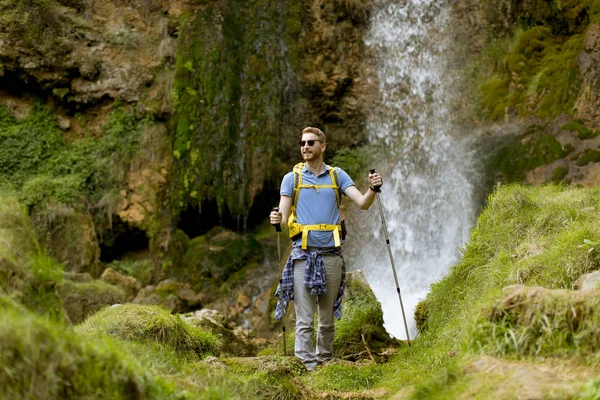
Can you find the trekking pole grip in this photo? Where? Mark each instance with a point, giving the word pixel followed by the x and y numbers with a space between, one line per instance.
pixel 376 189
pixel 277 226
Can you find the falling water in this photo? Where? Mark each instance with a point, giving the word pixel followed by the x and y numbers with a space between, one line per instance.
pixel 429 192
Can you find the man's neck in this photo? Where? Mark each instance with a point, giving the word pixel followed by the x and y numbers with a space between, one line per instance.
pixel 316 167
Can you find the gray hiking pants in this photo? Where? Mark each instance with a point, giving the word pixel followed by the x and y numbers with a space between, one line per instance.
pixel 305 310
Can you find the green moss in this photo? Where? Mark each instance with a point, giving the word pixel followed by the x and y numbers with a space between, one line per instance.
pixel 26 273
pixel 528 152
pixel 207 264
pixel 559 174
pixel 139 269
pixel 84 299
pixel 538 74
pixel 583 133
pixel 150 323
pixel 36 23
pixel 362 322
pixel 73 367
pixel 588 156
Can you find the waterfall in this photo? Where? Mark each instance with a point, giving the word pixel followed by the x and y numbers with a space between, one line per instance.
pixel 430 181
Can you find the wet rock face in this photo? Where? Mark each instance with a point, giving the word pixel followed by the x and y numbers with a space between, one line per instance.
pixel 90 53
pixel 588 102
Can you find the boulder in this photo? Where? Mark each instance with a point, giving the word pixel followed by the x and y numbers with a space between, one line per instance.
pixel 128 283
pixel 234 342
pixel 588 282
pixel 170 294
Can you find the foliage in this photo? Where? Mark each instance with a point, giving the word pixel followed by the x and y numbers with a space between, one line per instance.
pixel 150 323
pixel 56 180
pixel 539 75
pixel 540 322
pixel 353 161
pixel 36 23
pixel 208 264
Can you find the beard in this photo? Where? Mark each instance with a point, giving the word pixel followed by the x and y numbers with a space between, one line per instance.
pixel 311 155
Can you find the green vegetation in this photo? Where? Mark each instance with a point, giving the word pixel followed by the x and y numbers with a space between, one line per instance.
pixel 73 367
pixel 26 273
pixel 139 269
pixel 529 62
pixel 36 23
pixel 527 152
pixel 545 237
pixel 362 322
pixel 209 261
pixel 67 187
pixel 583 133
pixel 533 321
pixel 82 299
pixel 588 156
pixel 150 323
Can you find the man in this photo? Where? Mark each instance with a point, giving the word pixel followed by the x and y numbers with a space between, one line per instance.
pixel 314 274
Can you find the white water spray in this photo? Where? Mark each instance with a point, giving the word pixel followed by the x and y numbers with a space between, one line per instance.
pixel 429 189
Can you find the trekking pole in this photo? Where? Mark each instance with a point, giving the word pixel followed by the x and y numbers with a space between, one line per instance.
pixel 387 240
pixel 278 230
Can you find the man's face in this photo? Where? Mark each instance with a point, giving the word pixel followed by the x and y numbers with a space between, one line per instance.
pixel 311 153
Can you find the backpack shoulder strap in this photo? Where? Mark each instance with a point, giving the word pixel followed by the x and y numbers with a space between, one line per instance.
pixel 335 180
pixel 297 181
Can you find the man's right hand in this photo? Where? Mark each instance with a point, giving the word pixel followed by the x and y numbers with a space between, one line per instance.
pixel 275 217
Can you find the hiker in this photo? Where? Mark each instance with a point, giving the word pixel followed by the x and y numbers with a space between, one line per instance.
pixel 314 275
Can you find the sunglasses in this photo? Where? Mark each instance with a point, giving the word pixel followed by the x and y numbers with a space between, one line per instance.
pixel 310 143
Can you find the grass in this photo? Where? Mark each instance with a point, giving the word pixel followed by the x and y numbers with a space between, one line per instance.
pixel 542 239
pixel 150 323
pixel 545 237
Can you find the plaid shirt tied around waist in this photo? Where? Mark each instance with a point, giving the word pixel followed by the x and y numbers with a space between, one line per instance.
pixel 314 278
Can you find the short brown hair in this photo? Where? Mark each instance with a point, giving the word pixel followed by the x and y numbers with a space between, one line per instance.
pixel 316 131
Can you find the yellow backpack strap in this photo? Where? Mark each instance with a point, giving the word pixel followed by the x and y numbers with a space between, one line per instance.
pixel 335 181
pixel 297 182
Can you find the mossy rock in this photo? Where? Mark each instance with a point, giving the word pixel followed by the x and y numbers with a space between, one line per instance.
pixel 150 323
pixel 527 152
pixel 83 299
pixel 588 156
pixel 212 321
pixel 362 320
pixel 171 295
pixel 45 360
pixel 206 265
pixel 583 133
pixel 26 273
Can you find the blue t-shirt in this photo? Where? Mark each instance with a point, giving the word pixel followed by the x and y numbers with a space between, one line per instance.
pixel 317 206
